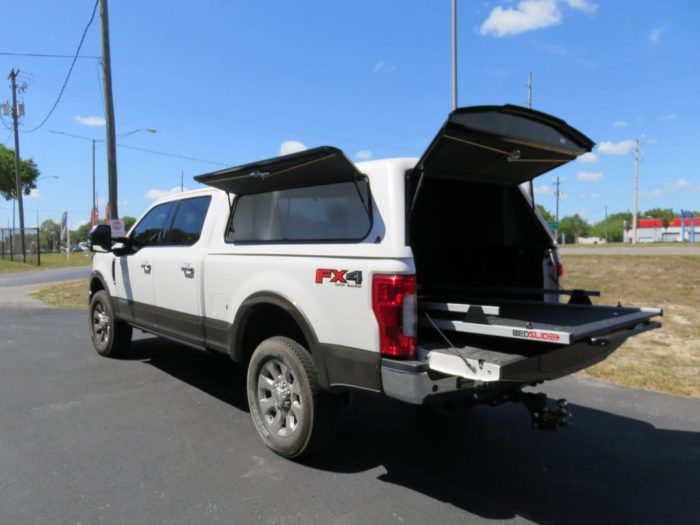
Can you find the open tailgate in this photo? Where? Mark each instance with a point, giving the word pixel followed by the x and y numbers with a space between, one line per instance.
pixel 528 341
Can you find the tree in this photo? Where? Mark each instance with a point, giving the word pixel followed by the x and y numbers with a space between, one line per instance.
pixel 49 232
pixel 547 216
pixel 128 222
pixel 613 227
pixel 573 227
pixel 658 213
pixel 28 173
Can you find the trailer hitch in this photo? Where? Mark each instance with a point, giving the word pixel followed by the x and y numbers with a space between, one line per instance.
pixel 543 414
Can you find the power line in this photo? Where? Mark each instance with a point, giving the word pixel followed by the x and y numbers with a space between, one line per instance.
pixel 70 70
pixel 46 55
pixel 154 152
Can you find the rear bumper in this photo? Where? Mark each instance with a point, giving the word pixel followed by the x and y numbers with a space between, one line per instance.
pixel 414 382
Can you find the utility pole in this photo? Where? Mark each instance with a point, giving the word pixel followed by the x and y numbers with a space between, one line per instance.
pixel 109 112
pixel 529 105
pixel 182 180
pixel 606 223
pixel 636 191
pixel 94 196
pixel 18 181
pixel 454 54
pixel 557 194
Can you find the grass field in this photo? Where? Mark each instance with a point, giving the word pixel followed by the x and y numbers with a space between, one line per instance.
pixel 68 294
pixel 665 360
pixel 48 260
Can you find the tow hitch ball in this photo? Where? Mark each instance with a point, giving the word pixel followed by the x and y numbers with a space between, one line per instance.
pixel 545 415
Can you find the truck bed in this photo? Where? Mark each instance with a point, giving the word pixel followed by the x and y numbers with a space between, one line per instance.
pixel 553 323
pixel 524 340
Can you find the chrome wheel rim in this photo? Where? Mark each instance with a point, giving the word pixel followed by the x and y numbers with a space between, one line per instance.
pixel 279 398
pixel 100 324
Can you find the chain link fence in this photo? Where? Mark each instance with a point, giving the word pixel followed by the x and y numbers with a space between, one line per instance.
pixel 11 245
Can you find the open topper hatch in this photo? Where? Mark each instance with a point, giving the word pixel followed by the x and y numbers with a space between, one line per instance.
pixel 312 167
pixel 505 145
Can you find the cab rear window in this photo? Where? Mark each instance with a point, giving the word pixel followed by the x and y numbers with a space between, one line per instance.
pixel 331 212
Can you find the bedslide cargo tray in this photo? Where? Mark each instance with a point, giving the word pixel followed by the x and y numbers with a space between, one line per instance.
pixel 525 340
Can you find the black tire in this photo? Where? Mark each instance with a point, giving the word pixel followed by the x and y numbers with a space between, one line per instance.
pixel 288 407
pixel 110 338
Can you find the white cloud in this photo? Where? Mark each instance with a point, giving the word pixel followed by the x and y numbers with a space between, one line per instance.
pixel 78 224
pixel 543 190
pixel 34 193
pixel 595 195
pixel 583 5
pixel 383 66
pixel 620 124
pixel 89 121
pixel 528 16
pixel 617 148
pixel 680 184
pixel 653 193
pixel 291 146
pixel 589 176
pixel 668 116
pixel 588 158
pixel 122 203
pixel 655 35
pixel 364 154
pixel 155 193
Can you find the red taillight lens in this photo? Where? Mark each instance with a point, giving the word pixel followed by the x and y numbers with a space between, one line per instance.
pixel 394 305
pixel 560 269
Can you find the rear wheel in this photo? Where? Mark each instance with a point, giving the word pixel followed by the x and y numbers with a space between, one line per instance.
pixel 286 403
pixel 110 337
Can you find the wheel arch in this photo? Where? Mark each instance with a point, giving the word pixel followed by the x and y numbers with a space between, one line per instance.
pixel 97 283
pixel 267 314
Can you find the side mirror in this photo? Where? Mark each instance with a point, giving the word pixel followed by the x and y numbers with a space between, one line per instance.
pixel 100 235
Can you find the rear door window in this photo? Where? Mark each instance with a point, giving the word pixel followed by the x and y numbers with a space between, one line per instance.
pixel 187 224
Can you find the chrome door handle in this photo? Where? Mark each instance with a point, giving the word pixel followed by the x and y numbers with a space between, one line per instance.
pixel 187 268
pixel 146 267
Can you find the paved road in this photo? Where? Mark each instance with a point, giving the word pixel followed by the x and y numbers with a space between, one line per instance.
pixel 164 436
pixel 43 276
pixel 630 250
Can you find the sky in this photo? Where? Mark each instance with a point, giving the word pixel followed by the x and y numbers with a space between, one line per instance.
pixel 227 82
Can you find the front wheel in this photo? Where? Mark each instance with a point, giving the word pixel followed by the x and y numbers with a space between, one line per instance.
pixel 285 400
pixel 109 336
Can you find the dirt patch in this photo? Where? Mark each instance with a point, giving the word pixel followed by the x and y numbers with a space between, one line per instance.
pixel 665 360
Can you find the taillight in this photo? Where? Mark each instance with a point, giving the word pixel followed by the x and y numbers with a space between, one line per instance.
pixel 560 269
pixel 394 305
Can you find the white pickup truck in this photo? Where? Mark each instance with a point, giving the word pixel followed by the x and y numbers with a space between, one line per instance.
pixel 430 280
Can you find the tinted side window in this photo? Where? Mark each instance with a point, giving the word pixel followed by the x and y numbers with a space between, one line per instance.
pixel 332 212
pixel 188 222
pixel 149 231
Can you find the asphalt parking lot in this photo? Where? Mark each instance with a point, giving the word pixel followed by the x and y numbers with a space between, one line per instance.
pixel 164 436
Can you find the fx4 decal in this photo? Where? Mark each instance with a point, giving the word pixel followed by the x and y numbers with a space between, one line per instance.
pixel 339 277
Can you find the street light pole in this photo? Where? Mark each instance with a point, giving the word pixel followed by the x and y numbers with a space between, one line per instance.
pixel 454 54
pixel 636 191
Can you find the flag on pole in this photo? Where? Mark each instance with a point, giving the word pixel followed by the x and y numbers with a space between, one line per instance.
pixel 64 227
pixel 94 217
